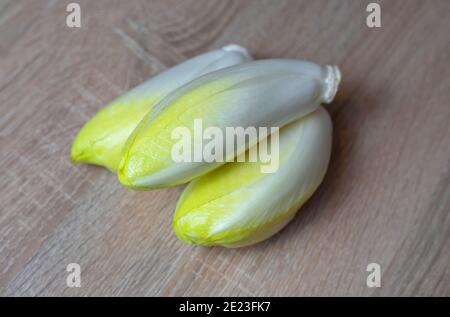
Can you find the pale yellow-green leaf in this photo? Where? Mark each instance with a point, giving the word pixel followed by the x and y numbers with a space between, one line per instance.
pixel 238 205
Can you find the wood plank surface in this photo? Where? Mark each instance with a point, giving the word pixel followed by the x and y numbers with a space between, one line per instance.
pixel 385 199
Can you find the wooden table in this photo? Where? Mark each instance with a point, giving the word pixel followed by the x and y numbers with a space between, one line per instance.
pixel 385 199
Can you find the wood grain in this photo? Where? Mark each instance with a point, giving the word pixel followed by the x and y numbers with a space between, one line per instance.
pixel 385 199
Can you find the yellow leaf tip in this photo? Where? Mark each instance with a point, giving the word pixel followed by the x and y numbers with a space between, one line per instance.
pixel 191 232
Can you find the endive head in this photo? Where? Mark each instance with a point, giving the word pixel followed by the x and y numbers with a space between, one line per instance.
pixel 237 205
pixel 266 93
pixel 102 138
